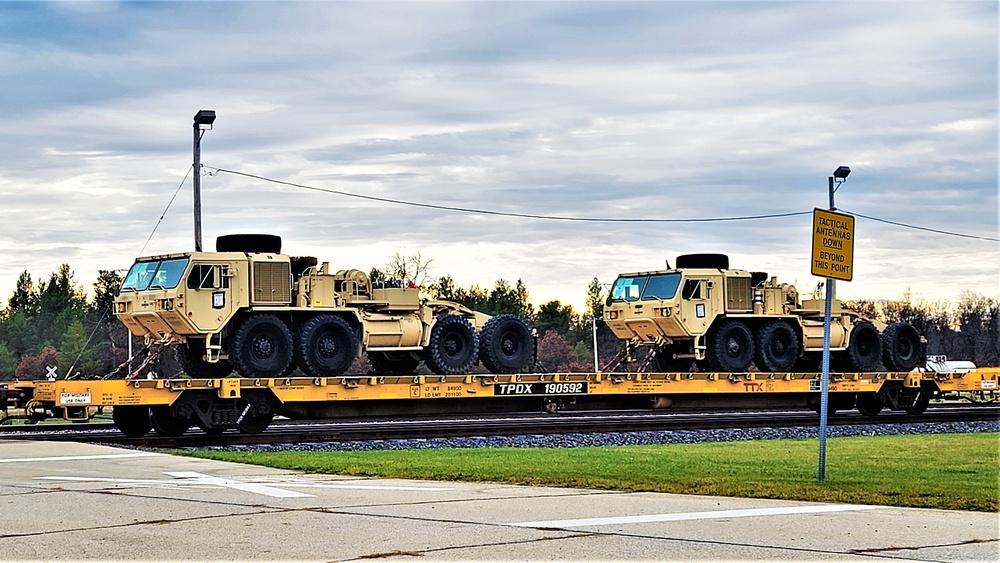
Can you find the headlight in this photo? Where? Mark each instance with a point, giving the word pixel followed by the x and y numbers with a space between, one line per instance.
pixel 167 304
pixel 121 307
pixel 612 315
pixel 665 312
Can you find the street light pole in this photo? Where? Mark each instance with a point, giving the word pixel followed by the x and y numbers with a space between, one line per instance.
pixel 839 177
pixel 203 121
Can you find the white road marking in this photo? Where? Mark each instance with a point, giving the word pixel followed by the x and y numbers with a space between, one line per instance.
pixel 710 515
pixel 271 489
pixel 260 489
pixel 77 457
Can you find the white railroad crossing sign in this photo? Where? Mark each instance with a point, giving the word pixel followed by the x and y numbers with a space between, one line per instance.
pixel 833 245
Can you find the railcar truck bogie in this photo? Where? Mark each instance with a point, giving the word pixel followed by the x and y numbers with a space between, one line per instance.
pixel 249 309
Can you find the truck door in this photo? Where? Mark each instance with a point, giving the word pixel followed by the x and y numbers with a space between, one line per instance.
pixel 696 308
pixel 209 300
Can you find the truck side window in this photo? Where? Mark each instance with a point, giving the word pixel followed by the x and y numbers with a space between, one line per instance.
pixel 692 289
pixel 208 276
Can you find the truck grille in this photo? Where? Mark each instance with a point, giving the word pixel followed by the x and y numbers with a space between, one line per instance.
pixel 272 282
pixel 738 294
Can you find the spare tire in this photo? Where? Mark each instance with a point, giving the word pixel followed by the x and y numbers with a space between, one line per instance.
pixel 506 345
pixel 713 261
pixel 266 244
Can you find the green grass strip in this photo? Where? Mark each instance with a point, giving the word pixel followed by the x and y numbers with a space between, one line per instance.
pixel 947 471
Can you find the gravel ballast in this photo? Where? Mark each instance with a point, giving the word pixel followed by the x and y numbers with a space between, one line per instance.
pixel 602 439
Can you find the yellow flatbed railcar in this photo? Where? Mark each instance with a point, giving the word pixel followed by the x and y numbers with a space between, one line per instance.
pixel 172 406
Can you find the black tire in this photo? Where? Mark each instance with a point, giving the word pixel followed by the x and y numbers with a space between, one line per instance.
pixel 165 423
pixel 395 363
pixel 776 347
pixel 665 361
pixel 132 421
pixel 506 345
pixel 864 350
pixel 453 347
pixel 254 412
pixel 261 347
pixel 869 404
pixel 325 346
pixel 730 347
pixel 191 357
pixel 901 349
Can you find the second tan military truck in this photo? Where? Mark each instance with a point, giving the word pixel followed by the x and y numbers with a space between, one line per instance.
pixel 249 308
pixel 729 320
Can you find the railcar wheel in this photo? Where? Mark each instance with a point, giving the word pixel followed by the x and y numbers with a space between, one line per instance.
pixel 731 347
pixel 191 357
pixel 776 347
pixel 325 346
pixel 254 412
pixel 920 403
pixel 900 347
pixel 453 347
pixel 397 363
pixel 865 348
pixel 261 347
pixel 506 345
pixel 132 421
pixel 165 423
pixel 869 404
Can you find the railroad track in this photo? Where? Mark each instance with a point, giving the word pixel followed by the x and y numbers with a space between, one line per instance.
pixel 342 430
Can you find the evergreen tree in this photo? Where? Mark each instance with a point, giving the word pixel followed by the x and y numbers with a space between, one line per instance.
pixel 8 363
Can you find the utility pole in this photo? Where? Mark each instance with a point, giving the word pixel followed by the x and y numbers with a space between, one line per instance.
pixel 203 121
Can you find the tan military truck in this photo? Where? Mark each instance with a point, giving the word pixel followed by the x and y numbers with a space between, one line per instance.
pixel 250 309
pixel 726 319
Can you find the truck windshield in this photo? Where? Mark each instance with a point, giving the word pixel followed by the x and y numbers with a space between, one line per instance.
pixel 162 274
pixel 661 286
pixel 628 288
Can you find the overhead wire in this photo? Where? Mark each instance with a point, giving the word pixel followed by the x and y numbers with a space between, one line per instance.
pixel 167 208
pixel 577 219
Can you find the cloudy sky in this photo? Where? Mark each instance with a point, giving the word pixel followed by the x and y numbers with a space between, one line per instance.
pixel 650 110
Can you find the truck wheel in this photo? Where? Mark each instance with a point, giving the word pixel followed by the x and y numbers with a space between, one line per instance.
pixel 397 363
pixel 664 360
pixel 325 346
pixel 864 349
pixel 900 347
pixel 191 357
pixel 506 345
pixel 165 423
pixel 776 347
pixel 133 421
pixel 731 347
pixel 261 347
pixel 453 346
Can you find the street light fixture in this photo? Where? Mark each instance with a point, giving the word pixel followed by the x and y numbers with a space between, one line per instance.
pixel 203 121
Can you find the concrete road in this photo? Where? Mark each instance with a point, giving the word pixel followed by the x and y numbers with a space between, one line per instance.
pixel 62 501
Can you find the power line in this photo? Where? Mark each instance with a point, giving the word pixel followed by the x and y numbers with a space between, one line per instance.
pixel 510 214
pixel 928 229
pixel 164 214
pixel 581 219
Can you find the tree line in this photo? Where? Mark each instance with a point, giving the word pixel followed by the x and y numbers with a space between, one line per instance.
pixel 52 323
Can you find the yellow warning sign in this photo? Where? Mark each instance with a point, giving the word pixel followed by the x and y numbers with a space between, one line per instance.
pixel 833 245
